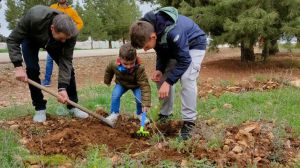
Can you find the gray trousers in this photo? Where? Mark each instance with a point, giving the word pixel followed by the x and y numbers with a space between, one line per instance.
pixel 189 89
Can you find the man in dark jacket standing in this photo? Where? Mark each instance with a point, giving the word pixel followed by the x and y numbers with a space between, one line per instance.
pixel 43 27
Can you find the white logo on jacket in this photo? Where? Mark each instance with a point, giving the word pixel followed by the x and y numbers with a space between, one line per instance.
pixel 176 38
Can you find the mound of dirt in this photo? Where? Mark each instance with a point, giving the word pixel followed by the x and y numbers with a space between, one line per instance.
pixel 252 143
pixel 72 137
pixel 207 88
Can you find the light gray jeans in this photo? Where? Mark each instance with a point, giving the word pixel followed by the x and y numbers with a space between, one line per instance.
pixel 189 89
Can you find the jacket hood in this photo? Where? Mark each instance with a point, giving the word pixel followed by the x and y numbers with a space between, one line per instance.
pixel 161 19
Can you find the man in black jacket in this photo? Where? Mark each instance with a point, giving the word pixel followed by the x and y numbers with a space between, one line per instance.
pixel 43 27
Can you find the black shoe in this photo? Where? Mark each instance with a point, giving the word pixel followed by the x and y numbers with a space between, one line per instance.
pixel 164 118
pixel 185 132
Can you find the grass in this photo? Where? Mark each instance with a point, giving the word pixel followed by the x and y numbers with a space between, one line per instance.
pixel 288 64
pixel 15 111
pixel 53 160
pixel 11 153
pixel 95 158
pixel 3 50
pixel 281 106
pixel 289 48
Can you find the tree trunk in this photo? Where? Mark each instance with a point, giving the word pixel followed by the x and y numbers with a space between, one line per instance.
pixel 92 45
pixel 247 54
pixel 124 40
pixel 266 50
pixel 298 41
pixel 273 49
pixel 109 44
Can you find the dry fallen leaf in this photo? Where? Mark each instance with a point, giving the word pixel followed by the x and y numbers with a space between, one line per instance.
pixel 237 149
pixel 226 148
pixel 227 106
pixel 184 163
pixel 115 159
pixel 15 126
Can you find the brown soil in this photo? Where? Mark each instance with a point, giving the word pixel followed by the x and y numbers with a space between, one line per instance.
pixel 251 142
pixel 72 137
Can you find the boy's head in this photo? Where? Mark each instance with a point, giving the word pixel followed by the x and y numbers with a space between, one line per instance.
pixel 127 55
pixel 142 35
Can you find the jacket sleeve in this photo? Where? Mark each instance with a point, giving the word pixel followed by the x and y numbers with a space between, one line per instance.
pixel 179 42
pixel 142 81
pixel 77 19
pixel 15 39
pixel 66 63
pixel 109 74
pixel 161 61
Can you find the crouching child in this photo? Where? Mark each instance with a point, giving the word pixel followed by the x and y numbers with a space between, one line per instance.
pixel 129 75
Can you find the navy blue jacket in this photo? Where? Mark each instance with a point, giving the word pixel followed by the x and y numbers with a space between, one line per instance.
pixel 186 35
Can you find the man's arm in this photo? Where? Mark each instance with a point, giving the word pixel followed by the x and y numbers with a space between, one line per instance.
pixel 66 63
pixel 161 60
pixel 15 39
pixel 178 41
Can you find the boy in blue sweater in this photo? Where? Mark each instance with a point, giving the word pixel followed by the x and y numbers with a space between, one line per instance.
pixel 180 47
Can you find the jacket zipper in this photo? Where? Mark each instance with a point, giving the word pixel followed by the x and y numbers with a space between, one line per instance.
pixel 47 43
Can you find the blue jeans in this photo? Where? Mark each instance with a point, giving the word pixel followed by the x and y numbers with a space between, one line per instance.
pixel 117 93
pixel 49 68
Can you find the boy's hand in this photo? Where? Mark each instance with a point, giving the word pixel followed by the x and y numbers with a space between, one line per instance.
pixel 164 90
pixel 62 96
pixel 20 74
pixel 145 109
pixel 156 76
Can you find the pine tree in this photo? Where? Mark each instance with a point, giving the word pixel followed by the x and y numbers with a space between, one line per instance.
pixel 109 20
pixel 93 24
pixel 243 23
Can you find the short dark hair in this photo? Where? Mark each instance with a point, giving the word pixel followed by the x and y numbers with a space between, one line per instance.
pixel 127 52
pixel 63 23
pixel 140 33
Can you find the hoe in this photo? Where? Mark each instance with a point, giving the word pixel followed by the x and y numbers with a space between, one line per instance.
pixel 101 118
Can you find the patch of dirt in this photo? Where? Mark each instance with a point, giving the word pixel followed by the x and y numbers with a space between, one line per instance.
pixel 72 137
pixel 207 88
pixel 249 143
pixel 252 143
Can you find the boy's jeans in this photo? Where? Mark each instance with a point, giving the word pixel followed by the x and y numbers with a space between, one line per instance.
pixel 49 68
pixel 117 93
pixel 189 90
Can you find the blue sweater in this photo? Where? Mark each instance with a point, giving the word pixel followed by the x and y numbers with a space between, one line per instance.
pixel 186 35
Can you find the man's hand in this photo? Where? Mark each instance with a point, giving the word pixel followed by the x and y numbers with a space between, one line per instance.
pixel 164 90
pixel 156 76
pixel 62 96
pixel 145 109
pixel 20 74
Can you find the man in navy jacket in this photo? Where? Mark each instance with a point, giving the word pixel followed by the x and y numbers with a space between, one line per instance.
pixel 180 47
